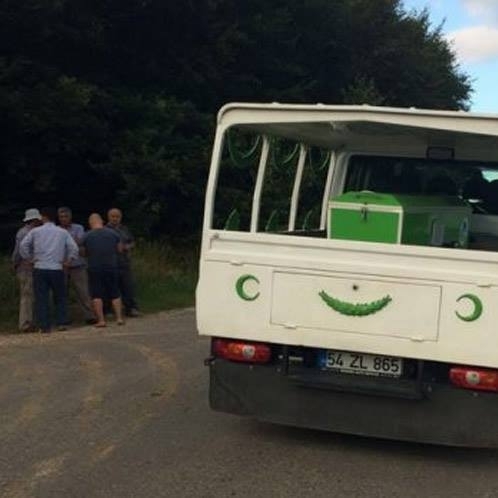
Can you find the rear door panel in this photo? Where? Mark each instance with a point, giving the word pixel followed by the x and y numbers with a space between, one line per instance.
pixel 443 303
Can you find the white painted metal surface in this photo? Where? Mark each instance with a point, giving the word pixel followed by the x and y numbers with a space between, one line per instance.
pixel 326 191
pixel 256 201
pixel 428 286
pixel 399 319
pixel 296 188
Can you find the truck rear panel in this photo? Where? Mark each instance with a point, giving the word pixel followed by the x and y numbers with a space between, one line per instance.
pixel 442 414
pixel 413 302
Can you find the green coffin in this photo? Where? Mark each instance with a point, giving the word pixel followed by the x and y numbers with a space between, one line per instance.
pixel 399 219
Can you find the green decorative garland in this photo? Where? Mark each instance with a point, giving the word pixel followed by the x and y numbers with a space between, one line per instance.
pixel 322 162
pixel 355 309
pixel 240 158
pixel 287 160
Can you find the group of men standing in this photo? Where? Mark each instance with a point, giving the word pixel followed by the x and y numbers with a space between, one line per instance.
pixel 48 258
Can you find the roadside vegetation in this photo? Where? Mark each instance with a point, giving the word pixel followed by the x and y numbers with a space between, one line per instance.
pixel 165 276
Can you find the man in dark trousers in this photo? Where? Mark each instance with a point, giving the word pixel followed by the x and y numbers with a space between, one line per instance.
pixel 50 249
pixel 126 286
pixel 102 245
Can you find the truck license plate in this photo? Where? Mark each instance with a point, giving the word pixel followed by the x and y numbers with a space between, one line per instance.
pixel 361 363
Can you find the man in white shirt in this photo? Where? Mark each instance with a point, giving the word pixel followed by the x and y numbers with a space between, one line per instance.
pixel 50 248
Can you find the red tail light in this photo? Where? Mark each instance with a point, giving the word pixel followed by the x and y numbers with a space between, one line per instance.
pixel 249 352
pixel 474 378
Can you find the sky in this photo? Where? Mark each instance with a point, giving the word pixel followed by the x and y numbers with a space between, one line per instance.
pixel 472 28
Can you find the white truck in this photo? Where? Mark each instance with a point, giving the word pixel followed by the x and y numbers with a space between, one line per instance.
pixel 362 333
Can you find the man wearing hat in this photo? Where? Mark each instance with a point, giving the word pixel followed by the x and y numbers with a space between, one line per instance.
pixel 24 271
pixel 51 249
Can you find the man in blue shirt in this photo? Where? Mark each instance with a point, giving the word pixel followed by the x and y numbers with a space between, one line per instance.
pixel 76 272
pixel 50 248
pixel 102 246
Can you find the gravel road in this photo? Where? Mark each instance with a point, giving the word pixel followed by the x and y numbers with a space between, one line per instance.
pixel 123 413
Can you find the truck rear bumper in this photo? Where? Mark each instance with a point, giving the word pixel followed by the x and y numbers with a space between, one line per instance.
pixel 445 414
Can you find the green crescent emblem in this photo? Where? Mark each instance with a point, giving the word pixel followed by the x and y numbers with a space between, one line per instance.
pixel 355 309
pixel 476 313
pixel 239 287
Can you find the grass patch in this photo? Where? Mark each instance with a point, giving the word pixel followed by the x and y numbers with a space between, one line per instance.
pixel 9 296
pixel 165 278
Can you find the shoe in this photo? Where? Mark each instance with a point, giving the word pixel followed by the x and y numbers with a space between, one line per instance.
pixel 134 313
pixel 61 328
pixel 43 331
pixel 91 321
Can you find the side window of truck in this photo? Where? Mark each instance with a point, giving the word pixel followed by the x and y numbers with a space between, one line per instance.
pixel 277 188
pixel 312 189
pixel 237 175
pixel 269 184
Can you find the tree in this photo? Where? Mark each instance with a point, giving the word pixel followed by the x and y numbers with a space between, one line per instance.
pixel 113 101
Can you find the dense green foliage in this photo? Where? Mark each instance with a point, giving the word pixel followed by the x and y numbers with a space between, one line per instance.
pixel 113 101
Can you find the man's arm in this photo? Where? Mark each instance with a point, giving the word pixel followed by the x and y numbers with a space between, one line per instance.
pixel 26 246
pixel 16 256
pixel 119 242
pixel 128 240
pixel 82 244
pixel 72 251
pixel 79 234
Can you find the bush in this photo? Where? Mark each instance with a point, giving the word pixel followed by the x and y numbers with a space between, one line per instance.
pixel 165 275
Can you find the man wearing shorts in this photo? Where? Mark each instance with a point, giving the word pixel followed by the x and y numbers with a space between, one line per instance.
pixel 101 246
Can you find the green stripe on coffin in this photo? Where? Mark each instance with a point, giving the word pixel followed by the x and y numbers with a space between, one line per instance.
pixel 399 218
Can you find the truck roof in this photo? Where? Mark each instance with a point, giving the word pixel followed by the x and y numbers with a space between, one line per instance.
pixel 336 126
